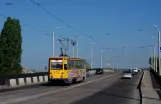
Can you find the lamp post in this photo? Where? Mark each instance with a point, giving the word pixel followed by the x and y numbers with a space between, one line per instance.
pixel 53 40
pixel 77 44
pixel 91 54
pixel 158 49
pixel 101 58
pixel 73 44
pixel 108 64
pixel 154 59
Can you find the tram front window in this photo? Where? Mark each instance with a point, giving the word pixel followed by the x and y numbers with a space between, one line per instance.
pixel 56 65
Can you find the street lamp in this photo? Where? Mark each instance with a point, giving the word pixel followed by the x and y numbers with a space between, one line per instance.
pixel 92 54
pixel 154 59
pixel 107 55
pixel 73 42
pixel 108 64
pixel 113 64
pixel 77 44
pixel 101 58
pixel 53 39
pixel 158 47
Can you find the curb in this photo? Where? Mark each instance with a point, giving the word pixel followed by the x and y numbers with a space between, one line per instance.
pixel 139 87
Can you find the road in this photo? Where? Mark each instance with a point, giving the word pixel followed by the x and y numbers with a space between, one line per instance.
pixel 108 88
pixel 123 91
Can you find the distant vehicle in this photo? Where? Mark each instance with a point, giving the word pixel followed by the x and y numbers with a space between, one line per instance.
pixel 87 73
pixel 139 70
pixel 135 71
pixel 99 71
pixel 127 74
pixel 132 71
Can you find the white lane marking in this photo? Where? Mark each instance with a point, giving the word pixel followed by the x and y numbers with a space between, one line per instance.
pixel 47 93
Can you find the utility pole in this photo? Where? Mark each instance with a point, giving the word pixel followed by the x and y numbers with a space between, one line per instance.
pixel 154 65
pixel 77 44
pixel 91 53
pixel 73 44
pixel 53 40
pixel 77 48
pixel 53 43
pixel 159 71
pixel 101 58
pixel 108 58
pixel 113 65
pixel 154 56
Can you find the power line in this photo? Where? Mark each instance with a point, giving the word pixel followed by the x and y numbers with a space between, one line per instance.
pixel 47 33
pixel 3 15
pixel 54 16
pixel 33 28
pixel 27 25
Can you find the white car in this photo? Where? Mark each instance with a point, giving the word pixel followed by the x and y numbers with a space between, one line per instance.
pixel 135 70
pixel 127 74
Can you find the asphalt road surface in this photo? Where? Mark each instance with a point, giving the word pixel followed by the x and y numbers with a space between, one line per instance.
pixel 106 88
pixel 123 91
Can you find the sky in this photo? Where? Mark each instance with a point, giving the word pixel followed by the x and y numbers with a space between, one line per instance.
pixel 121 19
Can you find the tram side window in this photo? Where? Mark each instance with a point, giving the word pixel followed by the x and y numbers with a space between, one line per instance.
pixel 76 64
pixel 82 64
pixel 79 64
pixel 70 64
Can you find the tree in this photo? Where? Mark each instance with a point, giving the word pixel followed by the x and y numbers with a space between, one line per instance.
pixel 10 47
pixel 151 62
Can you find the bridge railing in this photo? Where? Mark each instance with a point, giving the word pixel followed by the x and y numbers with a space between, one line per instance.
pixel 29 78
pixel 23 79
pixel 156 76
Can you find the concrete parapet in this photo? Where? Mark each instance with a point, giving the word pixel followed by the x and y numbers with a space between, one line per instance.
pixel 21 81
pixel 35 80
pixel 40 78
pixel 28 80
pixel 46 78
pixel 12 83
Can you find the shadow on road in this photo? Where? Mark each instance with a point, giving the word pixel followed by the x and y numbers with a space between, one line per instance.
pixel 159 93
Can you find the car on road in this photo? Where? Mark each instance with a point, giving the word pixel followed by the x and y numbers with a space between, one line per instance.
pixel 135 71
pixel 99 71
pixel 139 70
pixel 127 74
pixel 87 73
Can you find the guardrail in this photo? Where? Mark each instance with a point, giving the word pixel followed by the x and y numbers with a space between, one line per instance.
pixel 156 76
pixel 27 79
pixel 23 79
pixel 32 78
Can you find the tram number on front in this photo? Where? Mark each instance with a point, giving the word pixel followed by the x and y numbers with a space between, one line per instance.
pixel 56 72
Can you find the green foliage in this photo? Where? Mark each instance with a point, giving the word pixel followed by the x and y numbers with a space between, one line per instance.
pixel 151 62
pixel 10 51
